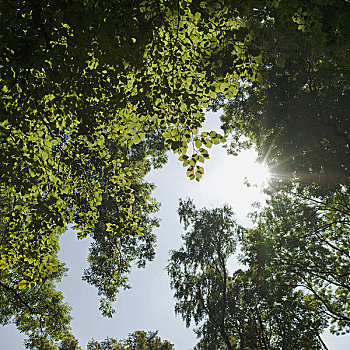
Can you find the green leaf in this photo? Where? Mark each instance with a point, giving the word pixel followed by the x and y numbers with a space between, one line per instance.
pixel 197 16
pixel 198 142
pixel 208 143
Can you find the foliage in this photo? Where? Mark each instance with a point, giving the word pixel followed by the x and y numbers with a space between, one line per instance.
pixel 139 340
pixel 297 117
pixel 78 78
pixel 94 92
pixel 39 311
pixel 297 114
pixel 307 240
pixel 116 243
pixel 250 308
pixel 92 95
pixel 69 344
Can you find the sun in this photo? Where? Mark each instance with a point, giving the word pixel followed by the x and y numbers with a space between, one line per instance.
pixel 239 181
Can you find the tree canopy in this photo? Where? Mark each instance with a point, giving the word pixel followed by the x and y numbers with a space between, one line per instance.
pixel 82 83
pixel 297 116
pixel 94 93
pixel 253 308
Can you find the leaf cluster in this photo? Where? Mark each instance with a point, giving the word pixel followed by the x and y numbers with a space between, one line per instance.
pixel 139 340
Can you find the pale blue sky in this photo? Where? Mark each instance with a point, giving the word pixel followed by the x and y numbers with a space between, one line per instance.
pixel 149 304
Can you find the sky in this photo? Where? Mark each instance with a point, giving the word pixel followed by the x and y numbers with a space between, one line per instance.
pixel 149 304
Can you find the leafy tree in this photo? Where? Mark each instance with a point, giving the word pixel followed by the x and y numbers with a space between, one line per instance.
pixel 297 114
pixel 108 268
pixel 139 340
pixel 251 308
pixel 39 311
pixel 118 243
pixel 69 344
pixel 308 243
